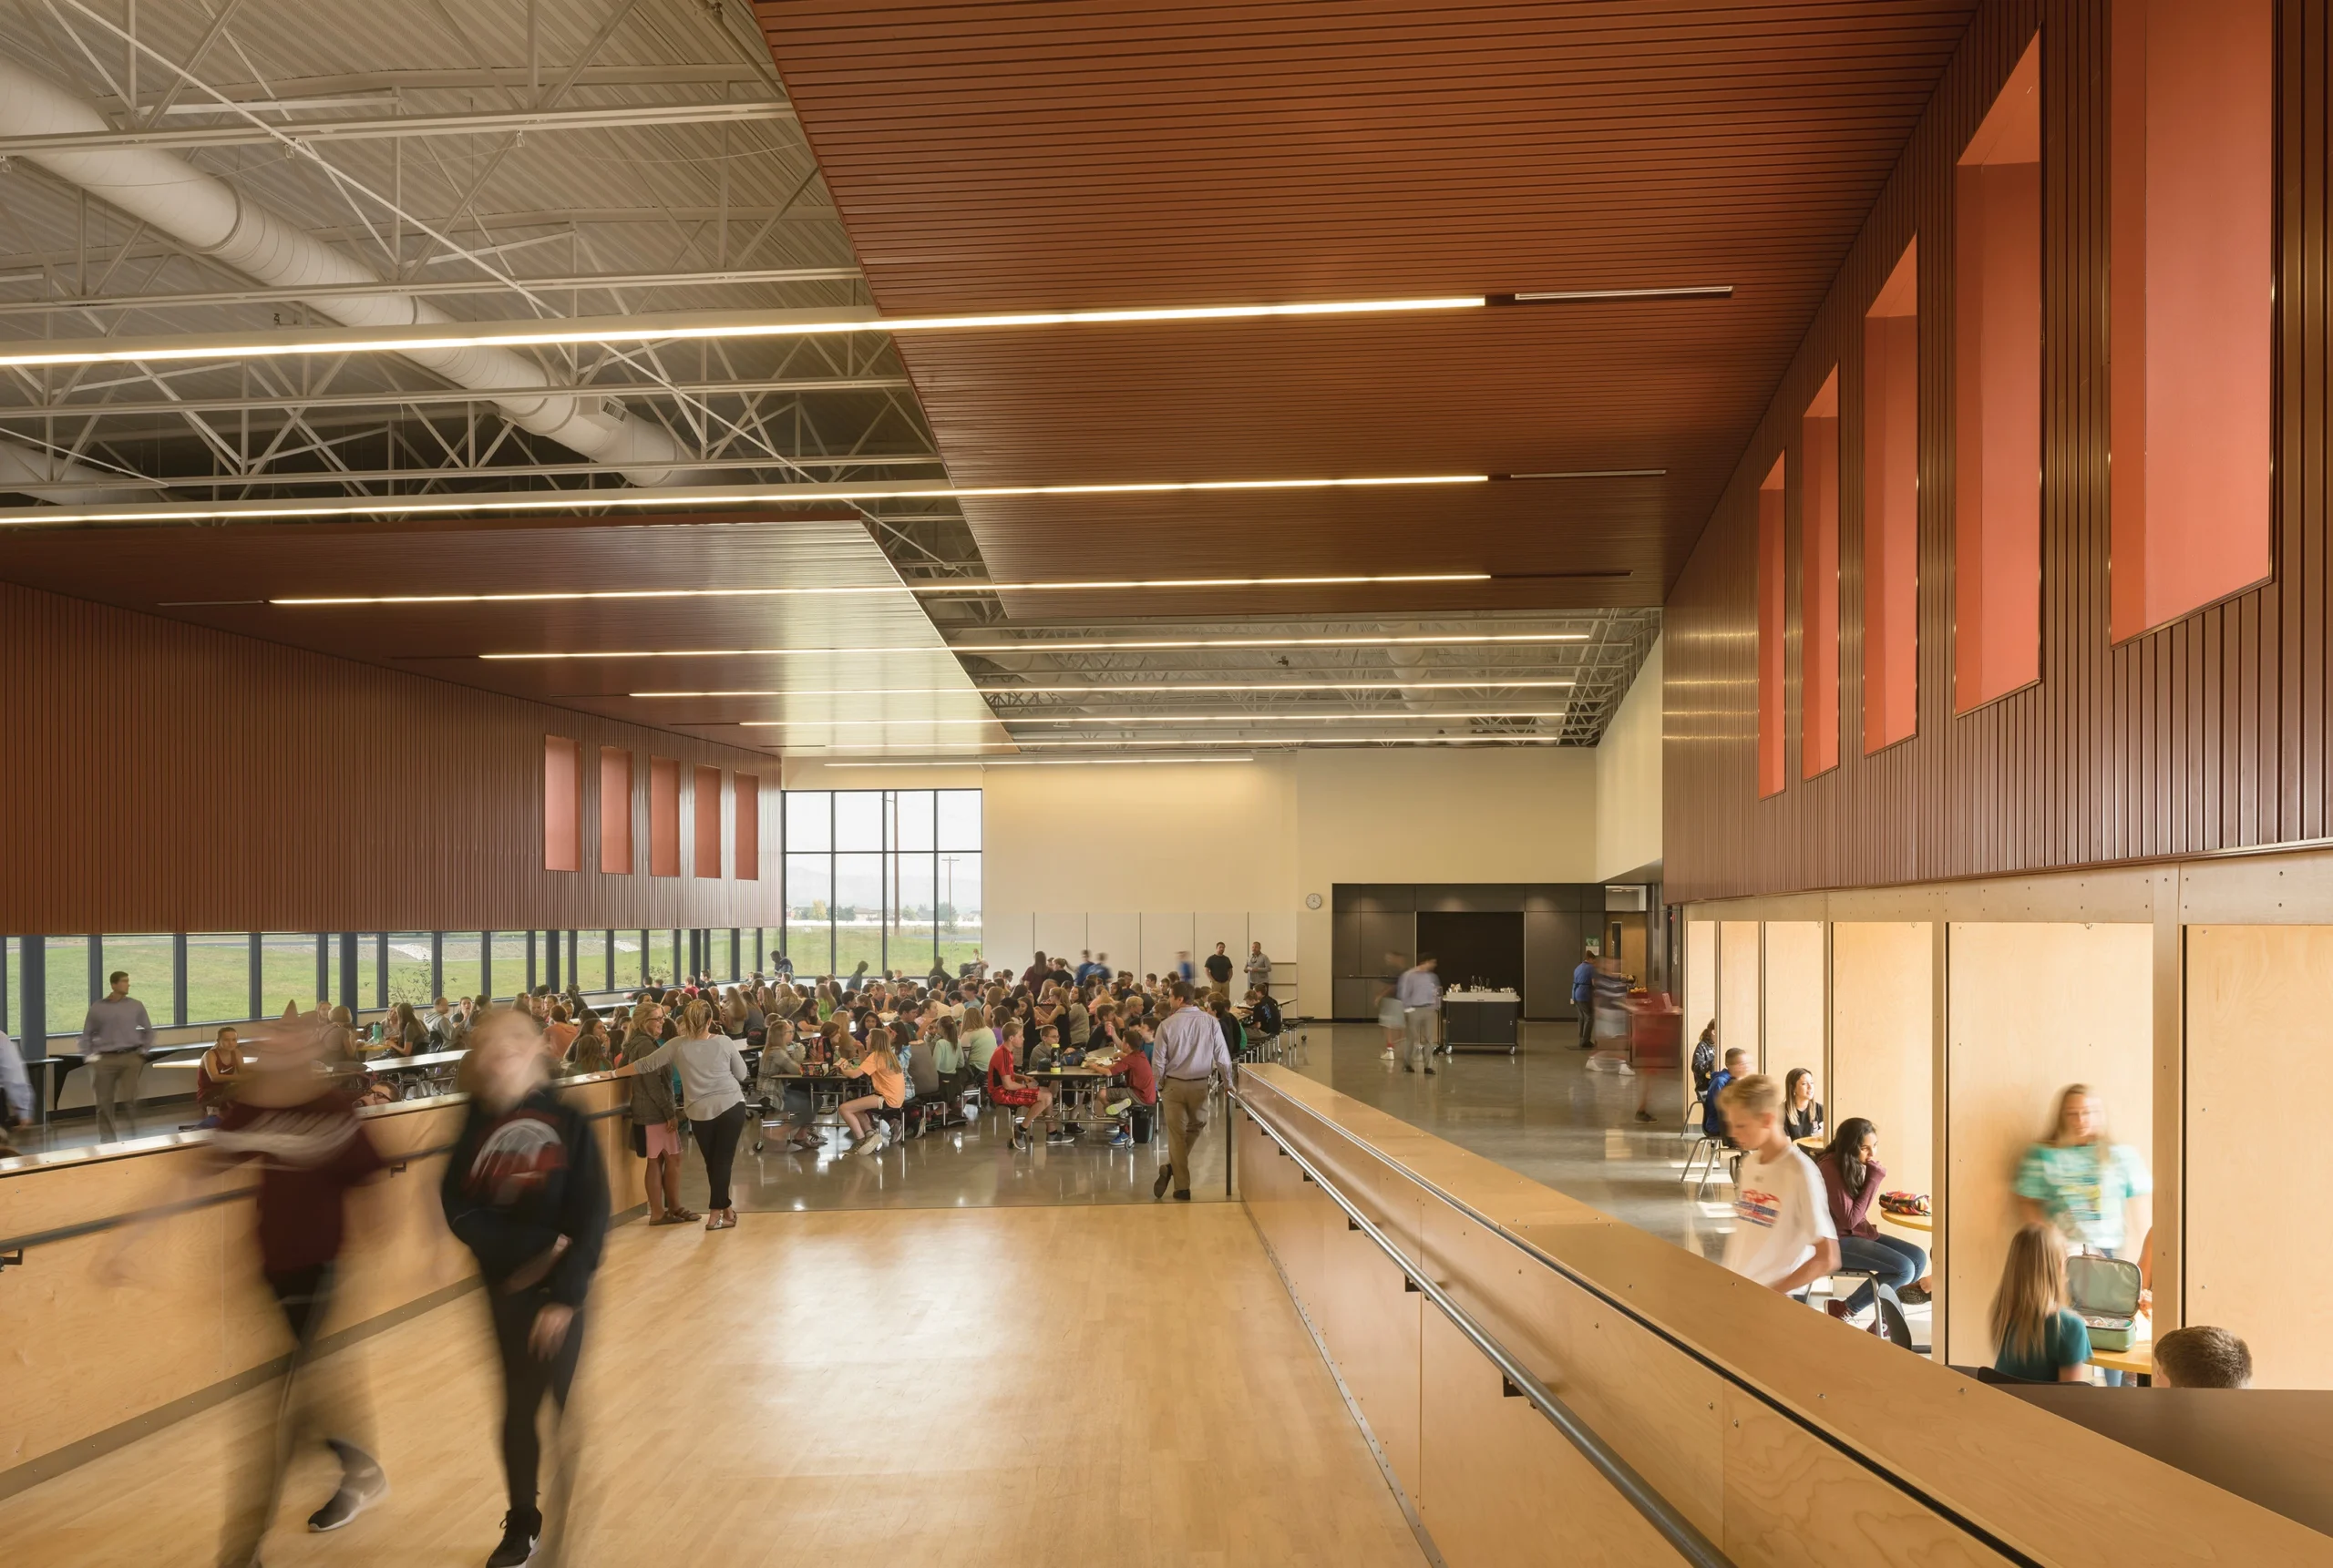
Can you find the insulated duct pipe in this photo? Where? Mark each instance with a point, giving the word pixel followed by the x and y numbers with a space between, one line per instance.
pixel 207 215
pixel 33 472
pixel 1407 658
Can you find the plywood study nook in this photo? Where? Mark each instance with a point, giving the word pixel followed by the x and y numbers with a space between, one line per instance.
pixel 1210 677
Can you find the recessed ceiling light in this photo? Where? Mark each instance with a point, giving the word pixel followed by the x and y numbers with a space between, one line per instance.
pixel 1119 585
pixel 1076 645
pixel 1389 686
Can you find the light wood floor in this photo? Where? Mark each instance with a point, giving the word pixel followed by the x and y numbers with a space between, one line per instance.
pixel 1021 1386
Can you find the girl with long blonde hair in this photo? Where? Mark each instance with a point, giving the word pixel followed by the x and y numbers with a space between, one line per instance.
pixel 2037 1335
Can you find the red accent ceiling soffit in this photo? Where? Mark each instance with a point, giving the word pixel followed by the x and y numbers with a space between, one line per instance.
pixel 1081 154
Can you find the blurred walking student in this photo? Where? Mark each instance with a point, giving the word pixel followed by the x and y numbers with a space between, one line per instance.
pixel 288 1114
pixel 525 1190
pixel 1419 994
pixel 1190 1058
pixel 17 1105
pixel 115 1037
pixel 1583 997
pixel 656 1134
pixel 2037 1335
pixel 1783 1234
pixel 2082 1184
pixel 712 1095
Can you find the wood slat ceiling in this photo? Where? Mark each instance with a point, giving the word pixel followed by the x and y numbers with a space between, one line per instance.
pixel 1085 154
pixel 223 578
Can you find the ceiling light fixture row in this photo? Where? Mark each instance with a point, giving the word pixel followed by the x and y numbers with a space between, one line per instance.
pixel 1080 645
pixel 1105 722
pixel 712 326
pixel 1392 687
pixel 947 585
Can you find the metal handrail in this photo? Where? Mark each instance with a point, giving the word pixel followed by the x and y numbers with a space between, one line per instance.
pixel 1679 1532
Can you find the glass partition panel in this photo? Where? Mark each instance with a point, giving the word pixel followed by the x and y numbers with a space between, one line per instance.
pixel 631 959
pixel 592 961
pixel 509 972
pixel 663 968
pixel 67 961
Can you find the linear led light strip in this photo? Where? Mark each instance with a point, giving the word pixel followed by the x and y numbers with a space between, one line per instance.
pixel 1092 585
pixel 718 324
pixel 1282 718
pixel 972 750
pixel 695 496
pixel 1046 763
pixel 1392 686
pixel 1082 646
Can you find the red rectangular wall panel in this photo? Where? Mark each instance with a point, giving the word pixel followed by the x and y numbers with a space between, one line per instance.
pixel 615 810
pixel 562 804
pixel 1818 582
pixel 706 816
pixel 2191 215
pixel 1891 508
pixel 749 834
pixel 1996 398
pixel 663 817
pixel 1773 765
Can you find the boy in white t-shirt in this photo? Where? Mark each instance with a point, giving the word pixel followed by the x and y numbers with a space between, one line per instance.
pixel 1783 1234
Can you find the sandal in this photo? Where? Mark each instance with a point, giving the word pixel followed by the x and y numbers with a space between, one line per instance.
pixel 685 1216
pixel 725 1220
pixel 664 1219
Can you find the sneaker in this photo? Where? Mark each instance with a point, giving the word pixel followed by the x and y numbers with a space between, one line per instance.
pixel 872 1142
pixel 1912 1295
pixel 1429 1072
pixel 1121 1108
pixel 1644 1115
pixel 1121 1139
pixel 520 1534
pixel 1061 1135
pixel 1158 1187
pixel 362 1483
pixel 1183 1196
pixel 1624 1069
pixel 1407 1067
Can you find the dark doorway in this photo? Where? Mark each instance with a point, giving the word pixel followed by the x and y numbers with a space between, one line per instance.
pixel 1475 948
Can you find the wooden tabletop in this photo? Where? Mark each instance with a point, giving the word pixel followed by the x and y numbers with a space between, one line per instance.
pixel 1924 1224
pixel 2139 1359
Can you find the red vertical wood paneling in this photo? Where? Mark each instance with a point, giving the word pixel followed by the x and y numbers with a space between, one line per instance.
pixel 1818 583
pixel 664 817
pixel 562 804
pixel 2210 733
pixel 748 833
pixel 615 810
pixel 1773 609
pixel 705 817
pixel 163 777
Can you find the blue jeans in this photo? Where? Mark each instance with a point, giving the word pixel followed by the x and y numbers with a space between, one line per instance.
pixel 1895 1264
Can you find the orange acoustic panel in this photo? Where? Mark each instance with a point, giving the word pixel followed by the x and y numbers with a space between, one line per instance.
pixel 1891 507
pixel 748 852
pixel 2191 219
pixel 663 817
pixel 562 804
pixel 1997 397
pixel 1773 609
pixel 705 817
pixel 1818 582
pixel 615 810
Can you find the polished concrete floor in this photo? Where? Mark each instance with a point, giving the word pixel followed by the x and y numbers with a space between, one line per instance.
pixel 1542 1113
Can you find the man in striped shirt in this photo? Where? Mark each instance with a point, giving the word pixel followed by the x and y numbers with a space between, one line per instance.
pixel 1189 1055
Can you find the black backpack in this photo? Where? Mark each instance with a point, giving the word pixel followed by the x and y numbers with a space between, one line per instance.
pixel 1704 1065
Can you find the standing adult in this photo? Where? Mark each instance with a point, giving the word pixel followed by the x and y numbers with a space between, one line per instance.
pixel 115 1037
pixel 1189 1056
pixel 525 1190
pixel 1419 994
pixel 1219 971
pixel 17 1103
pixel 713 1077
pixel 1259 967
pixel 1583 997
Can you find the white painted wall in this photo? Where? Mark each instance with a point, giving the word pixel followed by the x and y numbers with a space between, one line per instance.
pixel 1628 778
pixel 1135 856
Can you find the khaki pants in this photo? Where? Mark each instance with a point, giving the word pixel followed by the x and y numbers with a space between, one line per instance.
pixel 114 1083
pixel 1419 1022
pixel 1183 1102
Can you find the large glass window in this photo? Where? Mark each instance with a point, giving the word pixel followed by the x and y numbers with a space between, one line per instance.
pixel 67 961
pixel 462 971
pixel 631 963
pixel 152 963
pixel 663 968
pixel 287 972
pixel 218 975
pixel 592 961
pixel 890 878
pixel 12 980
pixel 509 976
pixel 409 979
